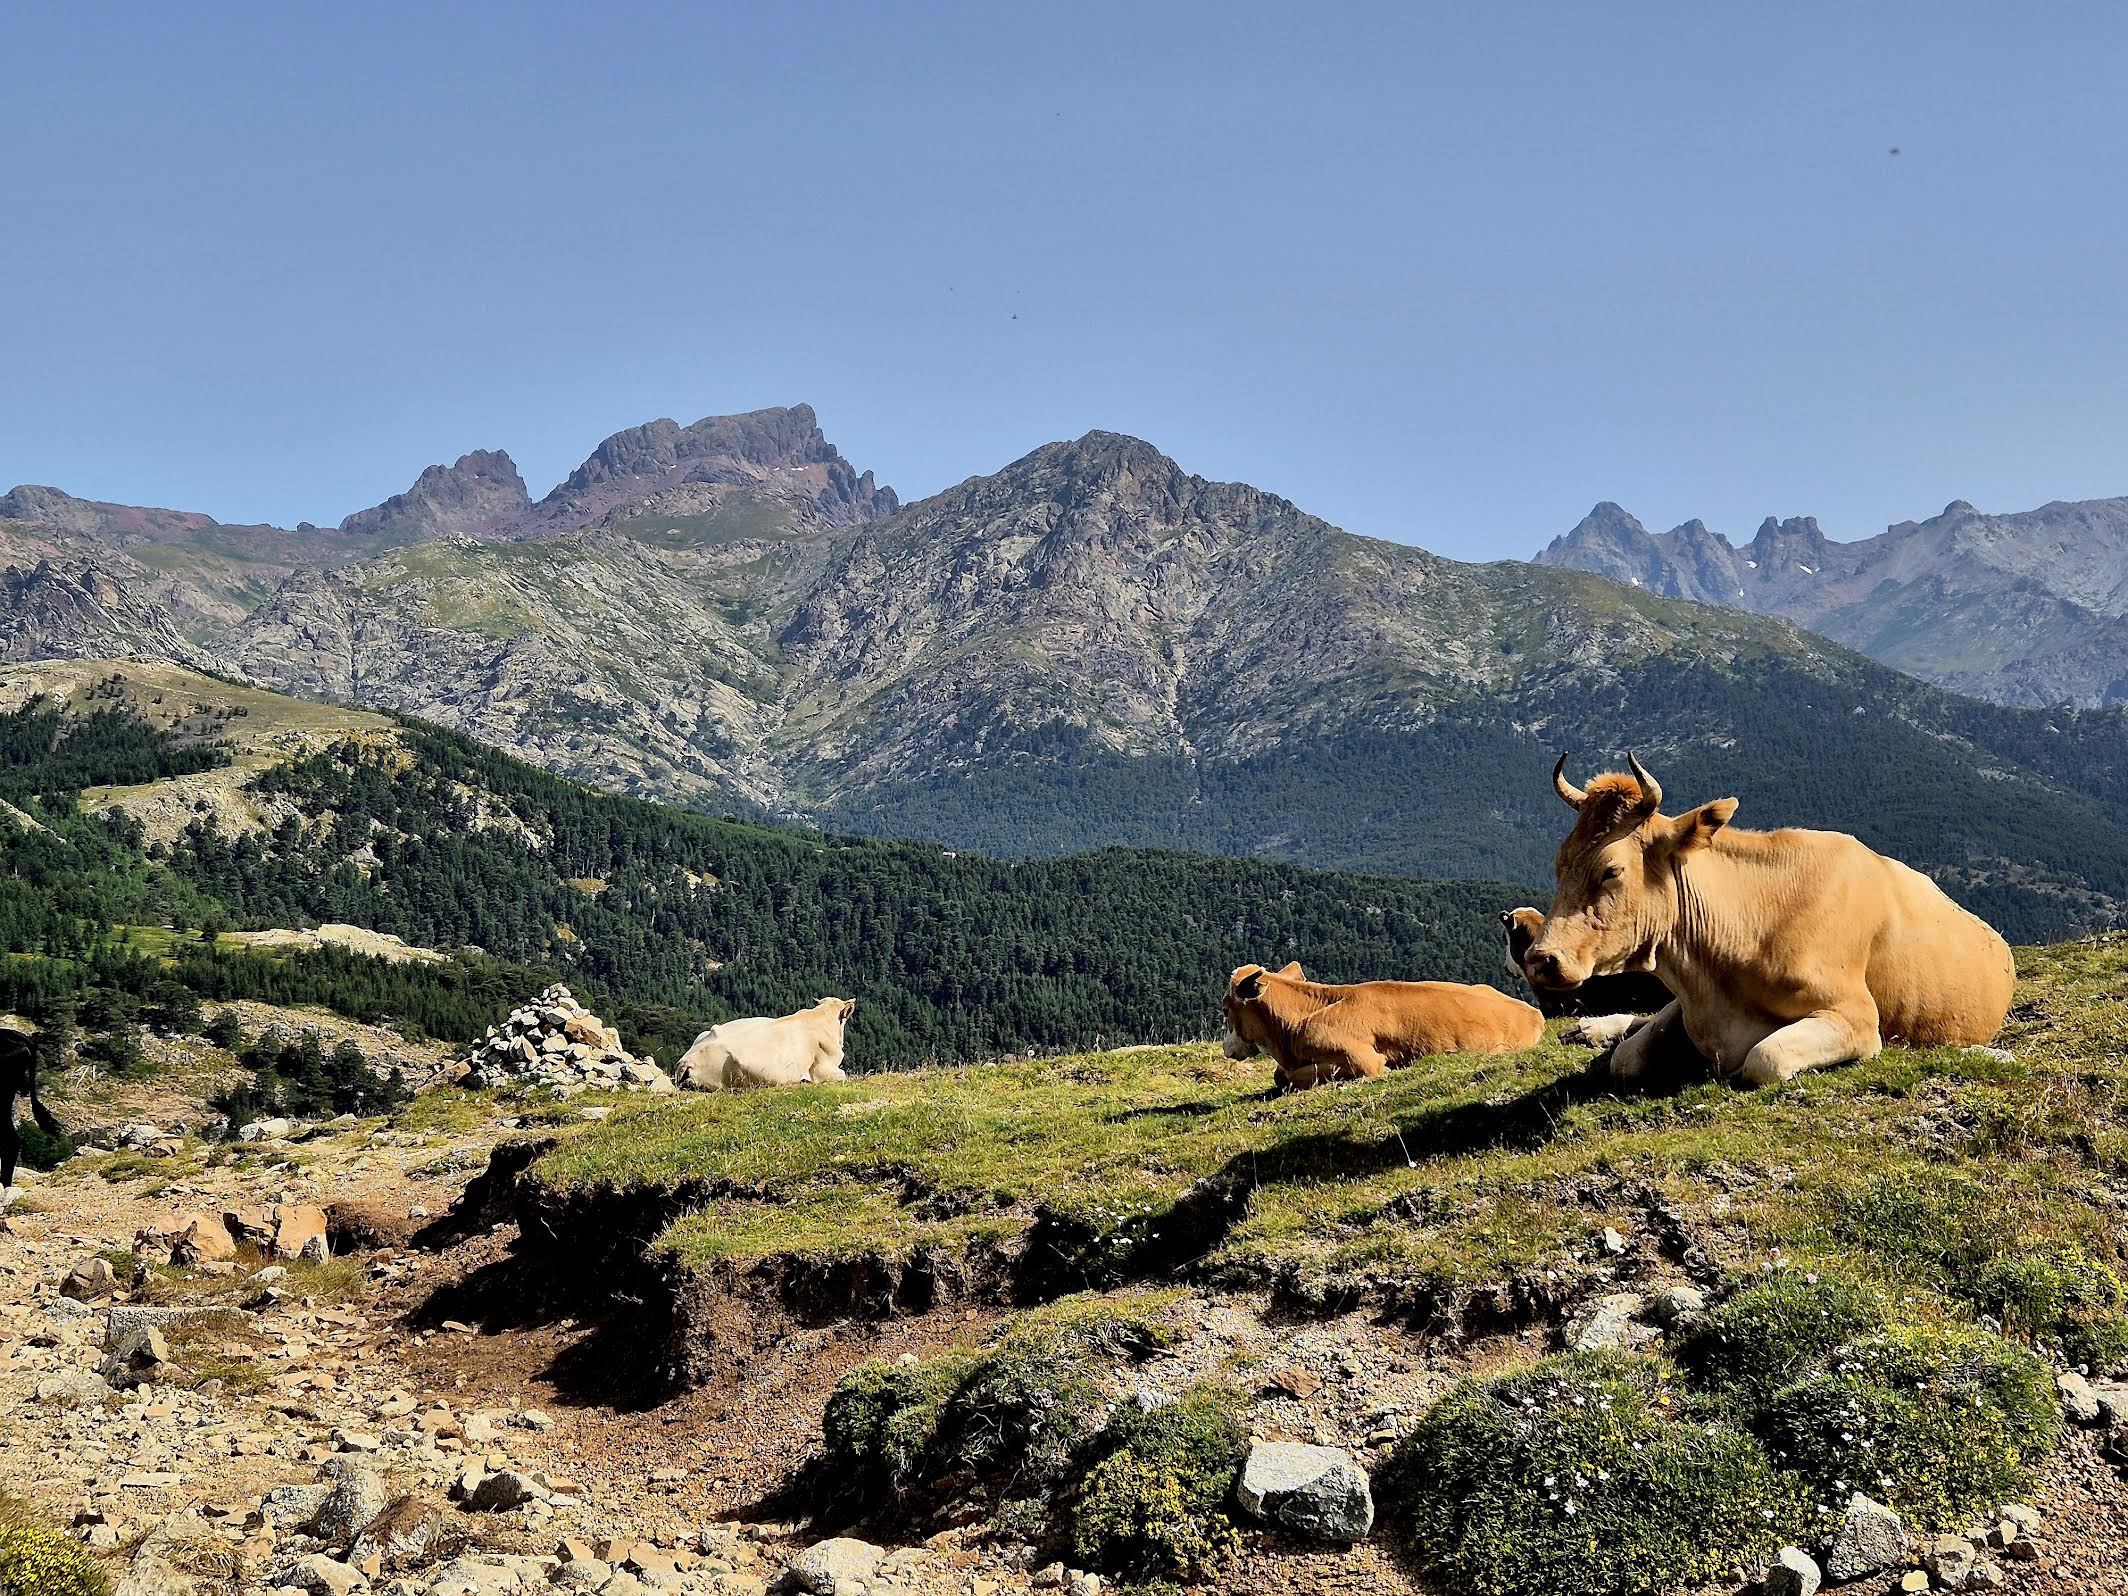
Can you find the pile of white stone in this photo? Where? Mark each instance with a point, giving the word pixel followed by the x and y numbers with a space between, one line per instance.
pixel 556 1043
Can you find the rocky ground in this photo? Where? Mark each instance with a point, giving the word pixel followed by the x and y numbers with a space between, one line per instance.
pixel 286 1404
pixel 410 1415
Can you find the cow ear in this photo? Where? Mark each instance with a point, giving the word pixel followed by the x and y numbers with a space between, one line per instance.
pixel 1247 983
pixel 1696 827
pixel 1293 971
pixel 1244 970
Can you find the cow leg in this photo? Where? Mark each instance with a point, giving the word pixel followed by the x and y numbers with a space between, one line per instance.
pixel 1829 1036
pixel 10 1145
pixel 1601 1030
pixel 1359 1065
pixel 1638 1049
pixel 828 1072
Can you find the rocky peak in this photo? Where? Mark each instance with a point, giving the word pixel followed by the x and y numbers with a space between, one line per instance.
pixel 49 507
pixel 1794 542
pixel 479 493
pixel 782 451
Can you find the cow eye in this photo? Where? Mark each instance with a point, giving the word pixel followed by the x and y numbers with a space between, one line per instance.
pixel 1614 872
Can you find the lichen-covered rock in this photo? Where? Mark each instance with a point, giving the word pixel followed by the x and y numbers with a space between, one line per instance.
pixel 1312 1491
pixel 1870 1539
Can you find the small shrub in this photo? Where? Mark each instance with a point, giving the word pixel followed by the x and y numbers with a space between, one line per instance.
pixel 1154 1506
pixel 1938 1423
pixel 882 1426
pixel 1008 1420
pixel 37 1560
pixel 1580 1474
pixel 1768 1334
pixel 2041 1289
pixel 2099 1343
pixel 41 1149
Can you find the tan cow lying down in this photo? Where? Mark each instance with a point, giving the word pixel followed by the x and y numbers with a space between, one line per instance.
pixel 1322 1033
pixel 806 1046
pixel 1786 949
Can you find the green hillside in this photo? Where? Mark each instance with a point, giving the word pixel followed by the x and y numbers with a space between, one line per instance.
pixel 672 919
pixel 2022 815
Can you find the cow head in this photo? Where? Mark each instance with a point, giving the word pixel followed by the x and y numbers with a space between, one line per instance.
pixel 1522 927
pixel 1247 1031
pixel 837 1009
pixel 1617 897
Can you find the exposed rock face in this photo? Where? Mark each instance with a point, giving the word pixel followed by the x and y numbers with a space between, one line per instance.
pixel 478 494
pixel 2030 608
pixel 64 608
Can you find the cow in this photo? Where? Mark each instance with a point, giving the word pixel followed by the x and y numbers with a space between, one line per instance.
pixel 1603 1009
pixel 1785 950
pixel 806 1046
pixel 18 1078
pixel 1317 1032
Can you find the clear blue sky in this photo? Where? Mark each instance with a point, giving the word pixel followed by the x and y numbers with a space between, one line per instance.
pixel 1447 274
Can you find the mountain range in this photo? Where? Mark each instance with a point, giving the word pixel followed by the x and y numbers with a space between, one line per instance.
pixel 1089 647
pixel 2029 608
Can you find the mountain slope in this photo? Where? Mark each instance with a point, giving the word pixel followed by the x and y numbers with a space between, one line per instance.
pixel 2021 609
pixel 321 815
pixel 1093 647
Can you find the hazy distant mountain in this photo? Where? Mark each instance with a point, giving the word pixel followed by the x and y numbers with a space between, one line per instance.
pixel 2022 609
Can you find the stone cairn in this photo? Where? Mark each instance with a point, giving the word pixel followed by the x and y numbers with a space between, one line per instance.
pixel 556 1043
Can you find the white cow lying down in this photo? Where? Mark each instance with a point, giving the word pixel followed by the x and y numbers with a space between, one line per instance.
pixel 806 1046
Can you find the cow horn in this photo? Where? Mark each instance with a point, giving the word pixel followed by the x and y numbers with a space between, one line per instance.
pixel 1566 789
pixel 1650 788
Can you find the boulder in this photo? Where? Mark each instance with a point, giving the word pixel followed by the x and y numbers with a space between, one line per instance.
pixel 2078 1399
pixel 355 1494
pixel 299 1231
pixel 840 1564
pixel 205 1239
pixel 94 1277
pixel 290 1506
pixel 1316 1492
pixel 503 1490
pixel 1673 1305
pixel 137 1359
pixel 71 1388
pixel 1792 1574
pixel 1609 1321
pixel 1870 1539
pixel 1950 1561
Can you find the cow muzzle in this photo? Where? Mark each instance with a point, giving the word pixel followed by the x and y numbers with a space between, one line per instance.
pixel 1235 1047
pixel 1550 971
